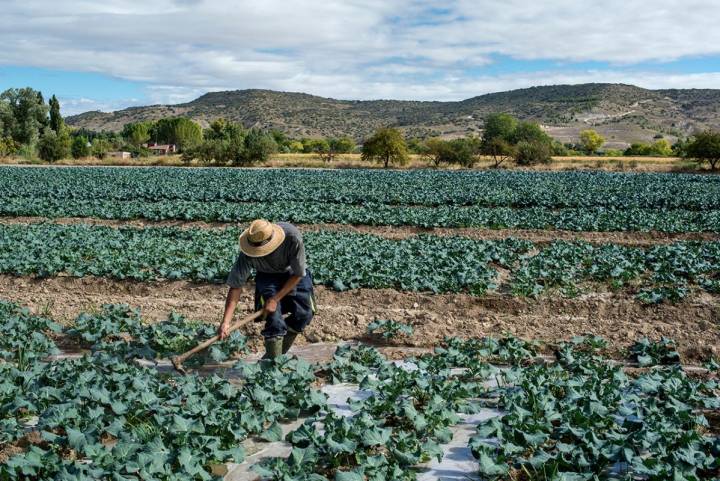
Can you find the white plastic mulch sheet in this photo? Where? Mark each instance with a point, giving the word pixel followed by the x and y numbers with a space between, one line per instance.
pixel 457 464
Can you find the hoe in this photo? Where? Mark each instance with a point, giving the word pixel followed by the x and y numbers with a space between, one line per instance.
pixel 177 361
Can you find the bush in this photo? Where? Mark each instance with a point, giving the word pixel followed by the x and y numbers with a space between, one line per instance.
pixel 559 149
pixel 534 152
pixel 659 148
pixel 137 150
pixel 7 146
pixel 315 146
pixel 499 149
pixel 53 146
pixel 457 151
pixel 295 146
pixel 100 148
pixel 259 147
pixel 79 147
pixel 613 153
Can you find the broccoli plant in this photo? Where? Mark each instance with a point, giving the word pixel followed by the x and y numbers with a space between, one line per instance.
pixel 388 329
pixel 652 353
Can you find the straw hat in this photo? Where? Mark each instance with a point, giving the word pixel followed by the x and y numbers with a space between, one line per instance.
pixel 261 238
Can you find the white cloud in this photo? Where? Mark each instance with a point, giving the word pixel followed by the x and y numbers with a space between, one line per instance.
pixel 72 106
pixel 356 49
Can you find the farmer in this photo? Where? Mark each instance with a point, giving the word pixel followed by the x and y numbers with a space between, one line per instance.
pixel 283 285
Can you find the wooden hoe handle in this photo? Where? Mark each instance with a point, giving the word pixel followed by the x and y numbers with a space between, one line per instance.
pixel 178 360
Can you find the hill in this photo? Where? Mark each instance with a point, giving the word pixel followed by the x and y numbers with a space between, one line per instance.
pixel 623 113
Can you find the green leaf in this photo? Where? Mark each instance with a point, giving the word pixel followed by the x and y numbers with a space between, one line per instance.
pixel 273 433
pixel 376 436
pixel 489 467
pixel 348 476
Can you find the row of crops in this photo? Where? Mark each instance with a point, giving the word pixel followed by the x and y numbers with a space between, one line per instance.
pixel 430 188
pixel 575 219
pixel 104 417
pixel 348 260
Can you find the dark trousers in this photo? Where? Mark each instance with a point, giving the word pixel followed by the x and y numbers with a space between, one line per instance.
pixel 298 305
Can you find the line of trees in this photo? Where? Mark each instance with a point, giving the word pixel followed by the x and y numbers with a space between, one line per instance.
pixel 226 142
pixel 504 138
pixel 31 128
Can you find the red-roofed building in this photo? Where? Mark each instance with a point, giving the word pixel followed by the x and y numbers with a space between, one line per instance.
pixel 162 149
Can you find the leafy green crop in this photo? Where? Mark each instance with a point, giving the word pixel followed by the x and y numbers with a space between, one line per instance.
pixel 354 363
pixel 103 417
pixel 649 353
pixel 350 261
pixel 25 337
pixel 389 329
pixel 494 199
pixel 100 417
pixel 118 329
pixel 583 418
pixel 356 186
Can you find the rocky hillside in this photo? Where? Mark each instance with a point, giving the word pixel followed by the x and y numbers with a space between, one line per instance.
pixel 623 113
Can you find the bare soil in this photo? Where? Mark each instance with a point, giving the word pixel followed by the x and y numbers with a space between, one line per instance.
pixel 401 232
pixel 694 323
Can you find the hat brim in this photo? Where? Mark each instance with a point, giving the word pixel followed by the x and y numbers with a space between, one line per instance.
pixel 278 236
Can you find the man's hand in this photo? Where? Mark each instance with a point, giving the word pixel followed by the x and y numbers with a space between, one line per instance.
pixel 270 306
pixel 231 302
pixel 223 330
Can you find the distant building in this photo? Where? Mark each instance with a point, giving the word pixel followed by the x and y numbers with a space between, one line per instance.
pixel 162 149
pixel 119 155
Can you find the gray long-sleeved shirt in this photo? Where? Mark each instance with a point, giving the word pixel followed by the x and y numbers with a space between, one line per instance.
pixel 288 257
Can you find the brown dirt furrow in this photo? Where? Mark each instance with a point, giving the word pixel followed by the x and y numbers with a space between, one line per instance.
pixel 402 232
pixel 694 324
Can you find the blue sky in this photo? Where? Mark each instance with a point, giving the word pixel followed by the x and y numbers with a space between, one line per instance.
pixel 117 53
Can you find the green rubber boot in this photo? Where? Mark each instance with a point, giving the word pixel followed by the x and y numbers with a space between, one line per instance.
pixel 288 340
pixel 273 347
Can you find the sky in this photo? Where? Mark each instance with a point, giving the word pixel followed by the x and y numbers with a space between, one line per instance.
pixel 111 54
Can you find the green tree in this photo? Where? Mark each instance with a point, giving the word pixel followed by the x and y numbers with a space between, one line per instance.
pixel 79 147
pixel 662 147
pixel 136 133
pixel 456 151
pixel 56 120
pixel 532 152
pixel 499 150
pixel 530 132
pixel 100 147
pixel 330 148
pixel 259 146
pixel 54 146
pixel 433 150
pixel 223 142
pixel 315 146
pixel 187 134
pixel 638 149
pixel 559 149
pixel 221 129
pixel 417 146
pixel 388 146
pixel 342 145
pixel 281 139
pixel 182 132
pixel 704 147
pixel 7 146
pixel 24 115
pixel 591 140
pixel 499 126
pixel 295 146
